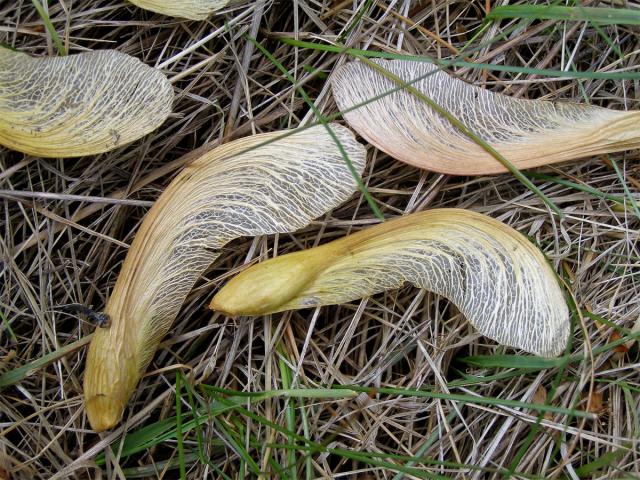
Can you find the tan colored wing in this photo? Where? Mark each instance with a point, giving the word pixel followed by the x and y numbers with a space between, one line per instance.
pixel 191 9
pixel 528 133
pixel 494 275
pixel 78 105
pixel 244 188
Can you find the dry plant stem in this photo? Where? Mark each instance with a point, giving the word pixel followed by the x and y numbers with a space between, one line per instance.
pixel 495 276
pixel 528 133
pixel 254 186
pixel 78 105
pixel 189 9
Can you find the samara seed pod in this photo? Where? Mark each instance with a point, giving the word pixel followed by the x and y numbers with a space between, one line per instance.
pixel 189 9
pixel 528 133
pixel 494 275
pixel 77 105
pixel 258 185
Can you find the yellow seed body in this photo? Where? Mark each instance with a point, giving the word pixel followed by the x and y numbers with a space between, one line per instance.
pixel 494 275
pixel 528 133
pixel 260 185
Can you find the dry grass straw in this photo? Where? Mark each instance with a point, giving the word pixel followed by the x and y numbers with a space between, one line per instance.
pixel 59 250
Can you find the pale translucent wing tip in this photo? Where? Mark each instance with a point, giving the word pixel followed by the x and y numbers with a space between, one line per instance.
pixel 528 133
pixel 496 278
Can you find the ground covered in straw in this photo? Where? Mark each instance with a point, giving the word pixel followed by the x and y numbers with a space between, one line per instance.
pixel 429 396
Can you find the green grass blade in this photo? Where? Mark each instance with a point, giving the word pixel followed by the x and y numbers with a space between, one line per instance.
pixel 7 327
pixel 290 409
pixel 471 399
pixel 601 462
pixel 601 16
pixel 512 361
pixel 582 188
pixel 236 444
pixel 323 121
pixel 466 131
pixel 425 446
pixel 627 192
pixel 321 448
pixel 20 373
pixel 608 40
pixel 539 363
pixel 535 428
pixel 226 400
pixel 198 428
pixel 542 72
pixel 308 463
pixel 354 23
pixel 50 28
pixel 179 436
pixel 149 471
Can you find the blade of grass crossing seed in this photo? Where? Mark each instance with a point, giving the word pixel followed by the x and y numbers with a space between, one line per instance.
pixel 463 63
pixel 407 85
pixel 624 186
pixel 602 16
pixel 179 437
pixel 468 132
pixel 323 121
pixel 290 412
pixel 50 28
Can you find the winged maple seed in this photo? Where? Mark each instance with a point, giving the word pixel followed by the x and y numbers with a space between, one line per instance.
pixel 528 133
pixel 190 9
pixel 493 274
pixel 82 104
pixel 258 185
